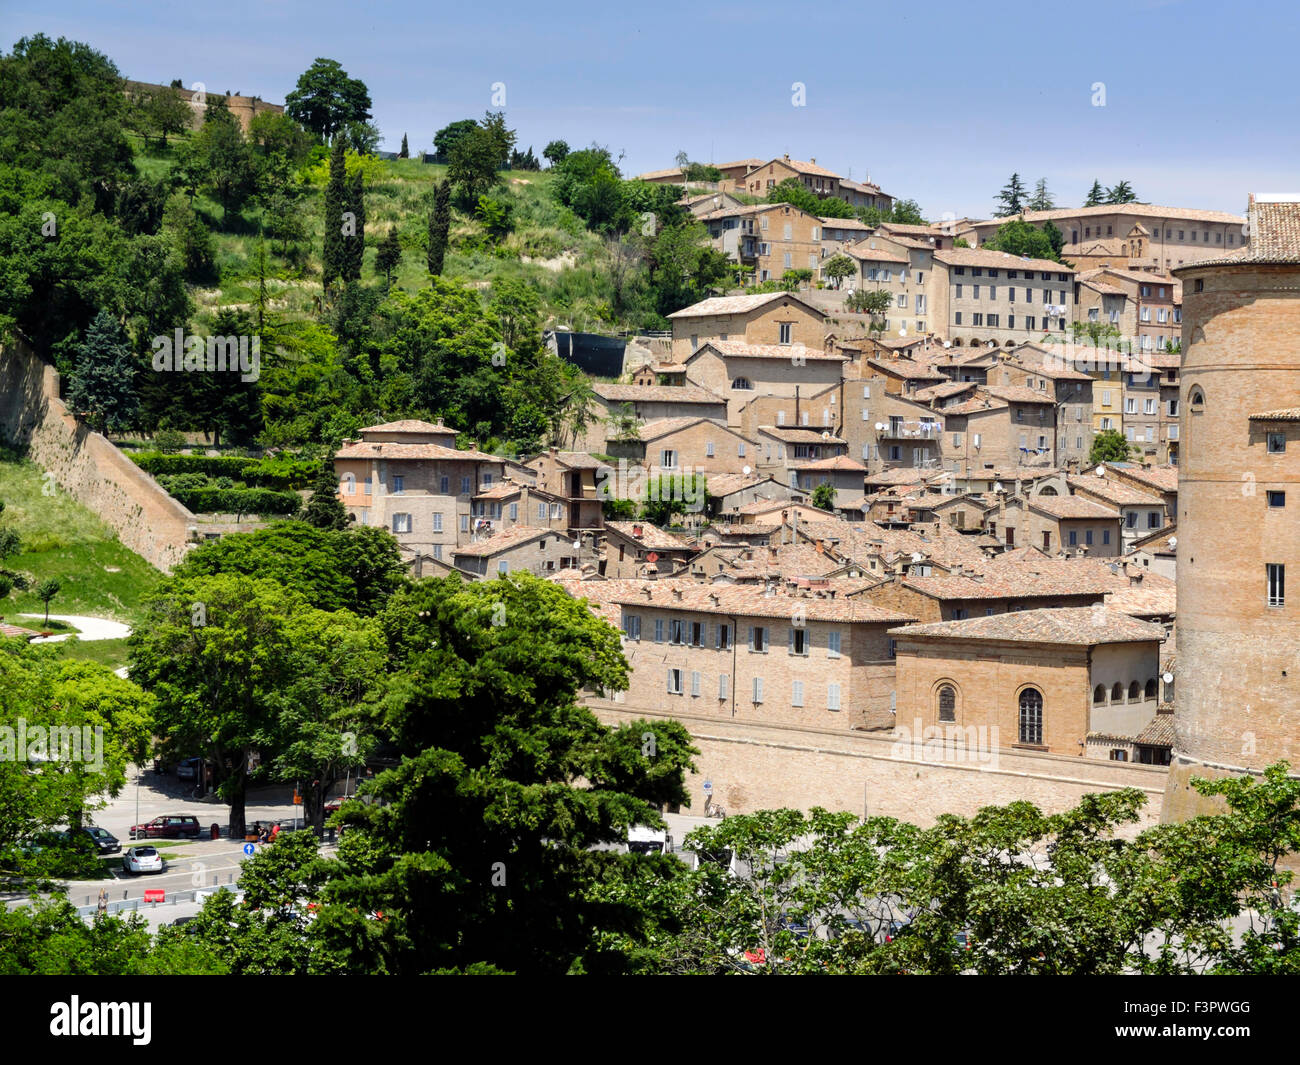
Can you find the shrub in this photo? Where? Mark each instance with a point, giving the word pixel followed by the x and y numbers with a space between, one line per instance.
pixel 169 441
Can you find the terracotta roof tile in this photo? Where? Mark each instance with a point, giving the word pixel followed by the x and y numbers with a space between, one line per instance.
pixel 1077 626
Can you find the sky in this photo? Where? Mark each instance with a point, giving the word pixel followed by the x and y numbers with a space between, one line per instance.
pixel 1192 102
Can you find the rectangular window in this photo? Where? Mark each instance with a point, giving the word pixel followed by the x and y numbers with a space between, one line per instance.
pixel 555 510
pixel 464 523
pixel 444 485
pixel 401 523
pixel 503 566
pixel 674 682
pixel 796 693
pixel 676 631
pixel 1087 537
pixel 632 626
pixel 1153 519
pixel 758 689
pixel 832 645
pixel 758 638
pixel 1277 499
pixel 437 552
pixel 1074 538
pixel 832 697
pixel 724 682
pixel 659 630
pixel 1276 583
pixel 464 486
pixel 668 459
pixel 722 638
pixel 514 511
pixel 437 522
pixel 1276 443
pixel 695 683
pixel 1105 536
pixel 798 641
pixel 786 329
pixel 708 449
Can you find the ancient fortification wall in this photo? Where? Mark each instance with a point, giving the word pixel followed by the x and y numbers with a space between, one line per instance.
pixel 754 767
pixel 84 464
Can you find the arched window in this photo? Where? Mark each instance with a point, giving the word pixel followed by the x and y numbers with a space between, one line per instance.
pixel 742 383
pixel 350 484
pixel 1099 694
pixel 1134 692
pixel 1196 400
pixel 1117 693
pixel 947 703
pixel 1150 692
pixel 1048 491
pixel 1031 716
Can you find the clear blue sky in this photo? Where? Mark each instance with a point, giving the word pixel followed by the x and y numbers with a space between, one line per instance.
pixel 937 101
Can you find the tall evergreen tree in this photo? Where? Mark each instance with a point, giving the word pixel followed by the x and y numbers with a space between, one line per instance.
pixel 333 256
pixel 325 509
pixel 354 244
pixel 1042 199
pixel 1096 195
pixel 102 387
pixel 1011 200
pixel 405 152
pixel 388 255
pixel 1121 193
pixel 439 227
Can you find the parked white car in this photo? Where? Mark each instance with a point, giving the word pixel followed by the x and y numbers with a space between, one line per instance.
pixel 142 860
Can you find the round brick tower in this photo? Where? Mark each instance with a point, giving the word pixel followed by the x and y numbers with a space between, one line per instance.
pixel 1237 692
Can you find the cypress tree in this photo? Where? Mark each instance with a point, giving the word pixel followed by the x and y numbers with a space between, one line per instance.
pixel 354 246
pixel 102 386
pixel 439 227
pixel 405 153
pixel 325 509
pixel 336 192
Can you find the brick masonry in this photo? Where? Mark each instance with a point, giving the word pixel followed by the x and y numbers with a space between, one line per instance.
pixel 146 519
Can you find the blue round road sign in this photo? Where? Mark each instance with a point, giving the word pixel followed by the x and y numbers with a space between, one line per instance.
pixel 249 848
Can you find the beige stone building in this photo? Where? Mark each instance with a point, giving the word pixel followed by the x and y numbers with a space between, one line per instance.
pixel 1055 523
pixel 770 318
pixel 611 405
pixel 767 239
pixel 1038 680
pixel 679 445
pixel 747 372
pixel 740 651
pixel 537 551
pixel 1150 237
pixel 642 551
pixel 574 477
pixel 982 296
pixel 408 477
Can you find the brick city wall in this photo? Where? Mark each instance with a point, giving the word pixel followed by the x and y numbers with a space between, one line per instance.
pixel 756 767
pixel 146 519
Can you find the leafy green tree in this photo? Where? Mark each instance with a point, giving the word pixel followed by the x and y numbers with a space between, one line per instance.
pixel 282 221
pixel 1055 238
pixel 494 214
pixel 325 99
pixel 445 139
pixel 1096 195
pixel 353 569
pixel 823 496
pixel 906 213
pixel 404 152
pixel 525 160
pixel 793 191
pixel 361 137
pixel 875 303
pixel 961 242
pixel 555 152
pixel 325 510
pixel 166 114
pixel 1041 199
pixel 838 267
pixel 476 159
pixel 439 227
pixel 388 256
pixel 334 255
pixel 1120 193
pixel 669 494
pixel 47 590
pixel 1109 445
pixel 49 938
pixel 231 174
pixel 103 387
pixel 506 787
pixel 1011 200
pixel 1018 237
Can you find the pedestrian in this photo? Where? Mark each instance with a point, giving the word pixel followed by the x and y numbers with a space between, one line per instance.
pixel 103 900
pixel 275 831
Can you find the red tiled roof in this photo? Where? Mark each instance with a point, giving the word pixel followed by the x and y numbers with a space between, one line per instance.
pixel 1078 626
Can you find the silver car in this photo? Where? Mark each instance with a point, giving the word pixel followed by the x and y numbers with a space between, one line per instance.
pixel 142 860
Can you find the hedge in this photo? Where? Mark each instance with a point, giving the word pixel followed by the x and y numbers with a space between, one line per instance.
pixel 276 473
pixel 238 500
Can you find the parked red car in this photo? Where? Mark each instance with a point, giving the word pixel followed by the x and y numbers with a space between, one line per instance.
pixel 171 827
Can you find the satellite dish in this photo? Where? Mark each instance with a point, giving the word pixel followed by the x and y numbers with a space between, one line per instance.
pixel 577 545
pixel 826 434
pixel 1101 471
pixel 917 556
pixel 880 427
pixel 997 486
pixel 947 343
pixel 745 471
pixel 1168 678
pixel 902 332
pixel 1173 541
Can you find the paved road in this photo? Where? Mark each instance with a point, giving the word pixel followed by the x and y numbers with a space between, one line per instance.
pixel 90 628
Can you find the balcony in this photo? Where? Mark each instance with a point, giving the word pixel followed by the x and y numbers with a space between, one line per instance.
pixel 897 430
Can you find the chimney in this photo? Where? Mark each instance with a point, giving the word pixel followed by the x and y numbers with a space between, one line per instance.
pixel 649 594
pixel 812 159
pixel 787 157
pixel 677 593
pixel 637 531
